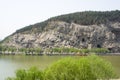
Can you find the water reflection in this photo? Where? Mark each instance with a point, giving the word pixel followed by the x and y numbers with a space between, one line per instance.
pixel 9 64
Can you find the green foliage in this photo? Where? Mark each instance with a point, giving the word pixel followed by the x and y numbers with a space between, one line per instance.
pixel 52 50
pixel 99 50
pixel 24 50
pixel 101 69
pixel 83 18
pixel 85 68
pixel 95 50
pixel 9 49
pixel 38 50
pixel 90 17
pixel 31 74
pixel 39 27
pixel 64 50
pixel 76 50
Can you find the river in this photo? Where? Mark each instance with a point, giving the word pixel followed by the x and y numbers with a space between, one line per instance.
pixel 9 64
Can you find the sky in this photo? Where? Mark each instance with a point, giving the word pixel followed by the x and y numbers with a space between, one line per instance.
pixel 16 14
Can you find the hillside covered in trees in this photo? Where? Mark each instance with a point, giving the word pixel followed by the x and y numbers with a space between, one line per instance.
pixel 82 18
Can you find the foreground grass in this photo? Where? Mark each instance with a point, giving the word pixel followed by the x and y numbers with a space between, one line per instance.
pixel 86 68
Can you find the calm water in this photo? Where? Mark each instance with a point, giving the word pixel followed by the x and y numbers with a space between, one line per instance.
pixel 9 64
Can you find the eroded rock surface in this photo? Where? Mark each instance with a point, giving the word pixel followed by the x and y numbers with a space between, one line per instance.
pixel 58 33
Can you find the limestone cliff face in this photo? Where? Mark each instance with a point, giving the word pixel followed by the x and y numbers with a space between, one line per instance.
pixel 58 33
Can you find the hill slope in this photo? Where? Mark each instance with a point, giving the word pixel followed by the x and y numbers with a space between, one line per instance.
pixel 81 30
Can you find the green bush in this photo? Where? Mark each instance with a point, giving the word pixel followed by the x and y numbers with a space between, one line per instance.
pixel 86 68
pixel 32 74
pixel 83 68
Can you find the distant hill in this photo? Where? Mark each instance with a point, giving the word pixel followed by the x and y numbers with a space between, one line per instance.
pixel 89 29
pixel 82 18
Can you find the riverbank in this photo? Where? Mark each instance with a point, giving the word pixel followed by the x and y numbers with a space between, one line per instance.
pixel 52 51
pixel 60 54
pixel 110 54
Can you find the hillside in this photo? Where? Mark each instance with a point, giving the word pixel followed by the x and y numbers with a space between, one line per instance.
pixel 88 29
pixel 82 18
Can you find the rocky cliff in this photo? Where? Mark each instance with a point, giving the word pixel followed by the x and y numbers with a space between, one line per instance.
pixel 58 33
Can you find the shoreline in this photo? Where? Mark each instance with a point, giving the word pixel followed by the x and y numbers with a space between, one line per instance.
pixel 62 54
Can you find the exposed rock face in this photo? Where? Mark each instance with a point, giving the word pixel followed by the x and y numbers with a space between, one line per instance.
pixel 57 34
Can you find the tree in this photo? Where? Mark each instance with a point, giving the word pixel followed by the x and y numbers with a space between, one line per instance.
pixel 38 50
pixel 86 68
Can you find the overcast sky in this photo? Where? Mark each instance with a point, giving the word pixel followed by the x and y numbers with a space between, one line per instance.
pixel 16 14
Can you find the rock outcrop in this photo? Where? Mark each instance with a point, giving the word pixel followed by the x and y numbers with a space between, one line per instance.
pixel 60 33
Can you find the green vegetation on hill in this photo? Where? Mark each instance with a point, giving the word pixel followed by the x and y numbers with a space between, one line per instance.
pixel 90 17
pixel 84 68
pixel 83 18
pixel 76 50
pixel 58 50
pixel 39 27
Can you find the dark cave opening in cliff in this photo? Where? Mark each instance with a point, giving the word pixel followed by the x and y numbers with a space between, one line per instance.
pixel 110 49
pixel 83 40
pixel 98 46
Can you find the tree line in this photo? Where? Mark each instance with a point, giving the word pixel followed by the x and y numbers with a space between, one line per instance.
pixel 83 18
pixel 55 50
pixel 14 50
pixel 90 17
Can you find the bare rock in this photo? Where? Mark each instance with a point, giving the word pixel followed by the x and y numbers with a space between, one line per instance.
pixel 58 33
